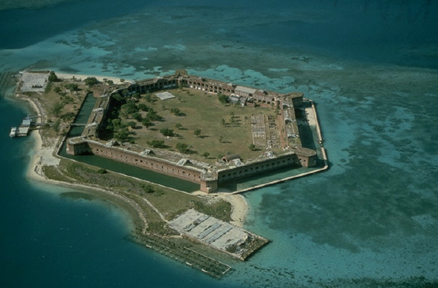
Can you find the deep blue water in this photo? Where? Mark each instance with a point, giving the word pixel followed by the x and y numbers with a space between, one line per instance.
pixel 371 67
pixel 50 241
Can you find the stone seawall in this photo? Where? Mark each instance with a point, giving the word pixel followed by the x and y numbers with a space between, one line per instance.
pixel 258 167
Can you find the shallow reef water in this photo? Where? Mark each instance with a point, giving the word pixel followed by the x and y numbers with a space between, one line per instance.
pixel 370 66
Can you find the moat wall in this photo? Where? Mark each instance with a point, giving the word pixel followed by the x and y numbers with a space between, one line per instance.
pixel 133 158
pixel 77 146
pixel 208 181
pixel 258 167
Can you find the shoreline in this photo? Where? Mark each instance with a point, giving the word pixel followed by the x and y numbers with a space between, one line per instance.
pixel 239 207
pixel 100 78
pixel 43 154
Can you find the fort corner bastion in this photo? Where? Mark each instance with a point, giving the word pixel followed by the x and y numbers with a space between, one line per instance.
pixel 276 137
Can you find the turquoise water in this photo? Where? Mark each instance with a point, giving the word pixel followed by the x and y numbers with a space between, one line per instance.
pixel 371 66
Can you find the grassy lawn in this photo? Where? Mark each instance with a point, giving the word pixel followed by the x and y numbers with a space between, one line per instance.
pixel 60 103
pixel 169 202
pixel 202 111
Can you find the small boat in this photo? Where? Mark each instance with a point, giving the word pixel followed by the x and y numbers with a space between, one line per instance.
pixel 13 132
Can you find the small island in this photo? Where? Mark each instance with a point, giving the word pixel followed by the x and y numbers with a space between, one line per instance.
pixel 181 130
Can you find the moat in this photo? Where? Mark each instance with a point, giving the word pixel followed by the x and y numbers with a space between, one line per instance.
pixel 244 132
pixel 160 132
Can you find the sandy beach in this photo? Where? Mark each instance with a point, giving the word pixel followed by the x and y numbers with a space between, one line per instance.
pixel 43 155
pixel 239 207
pixel 100 78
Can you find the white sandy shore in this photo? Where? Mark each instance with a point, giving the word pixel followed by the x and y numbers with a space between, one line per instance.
pixel 100 78
pixel 239 207
pixel 43 154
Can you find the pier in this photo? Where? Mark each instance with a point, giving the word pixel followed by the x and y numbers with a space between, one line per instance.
pixel 26 126
pixel 180 253
pixel 4 79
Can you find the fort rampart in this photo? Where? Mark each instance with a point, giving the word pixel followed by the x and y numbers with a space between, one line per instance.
pixel 188 173
pixel 208 179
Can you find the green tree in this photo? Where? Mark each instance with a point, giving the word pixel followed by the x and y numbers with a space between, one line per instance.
pixel 136 95
pixel 126 92
pixel 182 147
pixel 116 123
pixel 221 138
pixel 146 123
pixel 153 115
pixel 148 97
pixel 132 124
pixel 197 132
pixel 137 116
pixel 156 143
pixel 129 108
pixel 68 116
pixel 252 147
pixel 224 99
pixel 118 97
pixel 176 112
pixel 143 107
pixel 232 118
pixel 72 86
pixel 53 77
pixel 148 189
pixel 122 135
pixel 205 155
pixel 57 108
pixel 56 124
pixel 91 81
pixel 167 132
pixel 178 126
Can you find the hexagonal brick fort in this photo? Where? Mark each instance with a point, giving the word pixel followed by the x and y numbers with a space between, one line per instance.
pixel 266 132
